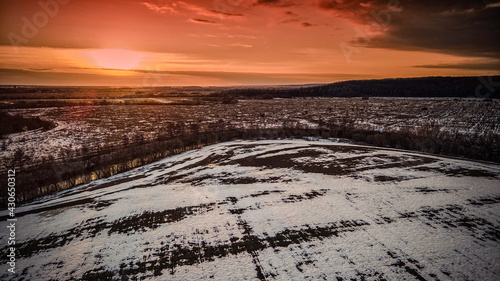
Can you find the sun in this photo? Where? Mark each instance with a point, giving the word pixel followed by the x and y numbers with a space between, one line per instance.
pixel 116 58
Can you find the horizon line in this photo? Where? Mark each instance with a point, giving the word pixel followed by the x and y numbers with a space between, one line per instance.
pixel 240 85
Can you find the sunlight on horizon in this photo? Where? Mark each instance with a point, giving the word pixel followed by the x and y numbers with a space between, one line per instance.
pixel 115 59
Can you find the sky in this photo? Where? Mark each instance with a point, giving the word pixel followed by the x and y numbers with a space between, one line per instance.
pixel 243 42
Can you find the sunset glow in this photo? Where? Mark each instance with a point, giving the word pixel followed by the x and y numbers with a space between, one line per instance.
pixel 246 42
pixel 116 58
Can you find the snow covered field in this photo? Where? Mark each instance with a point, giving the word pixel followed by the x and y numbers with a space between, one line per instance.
pixel 90 126
pixel 269 210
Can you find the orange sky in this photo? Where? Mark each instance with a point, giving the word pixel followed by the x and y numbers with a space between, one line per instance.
pixel 243 42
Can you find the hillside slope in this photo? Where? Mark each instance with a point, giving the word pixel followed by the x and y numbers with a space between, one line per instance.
pixel 270 210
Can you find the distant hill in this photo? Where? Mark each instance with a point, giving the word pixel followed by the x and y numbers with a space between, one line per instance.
pixel 480 87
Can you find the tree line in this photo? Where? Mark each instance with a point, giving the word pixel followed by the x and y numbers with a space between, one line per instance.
pixel 53 175
pixel 461 87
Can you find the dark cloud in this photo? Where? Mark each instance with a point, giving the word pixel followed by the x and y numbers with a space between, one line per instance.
pixel 10 76
pixel 298 21
pixel 464 27
pixel 465 66
pixel 307 24
pixel 277 3
pixel 225 14
pixel 204 21
pixel 292 17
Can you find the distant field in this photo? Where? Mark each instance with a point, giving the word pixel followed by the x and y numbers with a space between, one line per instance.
pixel 270 210
pixel 86 127
pixel 55 93
pixel 47 103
